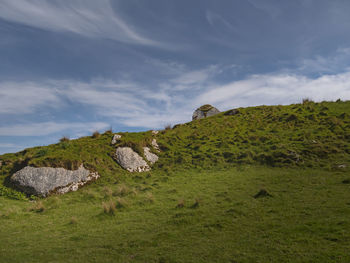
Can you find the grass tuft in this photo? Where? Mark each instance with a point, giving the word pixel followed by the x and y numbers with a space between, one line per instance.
pixel 196 203
pixel 38 207
pixel 262 193
pixel 73 220
pixel 122 190
pixel 180 203
pixel 109 207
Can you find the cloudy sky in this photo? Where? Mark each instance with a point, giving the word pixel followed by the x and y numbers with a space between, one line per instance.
pixel 68 68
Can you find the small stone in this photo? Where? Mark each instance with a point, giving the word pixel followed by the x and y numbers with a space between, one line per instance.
pixel 155 132
pixel 116 138
pixel 342 166
pixel 130 160
pixel 151 157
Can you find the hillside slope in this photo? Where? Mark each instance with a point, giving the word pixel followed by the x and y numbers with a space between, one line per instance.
pixel 307 135
pixel 200 202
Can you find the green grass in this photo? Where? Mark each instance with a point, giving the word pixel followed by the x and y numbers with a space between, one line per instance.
pixel 198 203
pixel 305 220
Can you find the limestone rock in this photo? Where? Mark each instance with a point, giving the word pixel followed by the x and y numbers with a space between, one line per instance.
pixel 204 111
pixel 45 180
pixel 155 145
pixel 130 160
pixel 116 138
pixel 151 157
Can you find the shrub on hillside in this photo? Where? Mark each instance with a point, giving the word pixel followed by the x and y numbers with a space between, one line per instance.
pixel 64 139
pixel 96 134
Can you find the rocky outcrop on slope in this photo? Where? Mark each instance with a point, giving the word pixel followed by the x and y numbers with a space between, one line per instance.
pixel 151 157
pixel 204 111
pixel 130 160
pixel 46 180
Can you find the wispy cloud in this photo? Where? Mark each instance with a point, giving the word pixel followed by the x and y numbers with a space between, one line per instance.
pixel 26 97
pixel 335 63
pixel 47 128
pixel 85 17
pixel 134 104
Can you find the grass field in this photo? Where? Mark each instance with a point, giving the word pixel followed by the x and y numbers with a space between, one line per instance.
pixel 187 216
pixel 201 201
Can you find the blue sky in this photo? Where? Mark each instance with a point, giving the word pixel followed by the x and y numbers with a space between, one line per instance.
pixel 68 68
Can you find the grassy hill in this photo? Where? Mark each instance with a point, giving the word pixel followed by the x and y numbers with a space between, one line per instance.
pixel 200 202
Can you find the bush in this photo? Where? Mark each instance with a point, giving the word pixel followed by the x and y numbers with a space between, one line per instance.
pixel 167 127
pixel 109 131
pixel 307 100
pixel 64 139
pixel 96 134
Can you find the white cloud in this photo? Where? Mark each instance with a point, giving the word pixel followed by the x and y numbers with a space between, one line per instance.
pixel 85 17
pixel 271 89
pixel 47 128
pixel 139 105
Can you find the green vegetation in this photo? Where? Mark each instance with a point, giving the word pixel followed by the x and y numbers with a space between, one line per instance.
pixel 269 184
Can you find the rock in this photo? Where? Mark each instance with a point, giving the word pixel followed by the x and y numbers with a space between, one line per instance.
pixel 155 132
pixel 130 160
pixel 155 145
pixel 45 180
pixel 116 138
pixel 204 111
pixel 151 157
pixel 342 166
pixel 231 112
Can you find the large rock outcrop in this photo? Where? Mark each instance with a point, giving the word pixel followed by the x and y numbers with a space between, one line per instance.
pixel 130 160
pixel 45 180
pixel 204 111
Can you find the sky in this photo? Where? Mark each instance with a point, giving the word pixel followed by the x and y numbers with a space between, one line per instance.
pixel 69 68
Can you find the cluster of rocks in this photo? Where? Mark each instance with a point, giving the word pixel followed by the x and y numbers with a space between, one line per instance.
pixel 43 181
pixel 132 161
pixel 46 180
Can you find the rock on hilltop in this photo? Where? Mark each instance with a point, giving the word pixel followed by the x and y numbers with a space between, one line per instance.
pixel 204 111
